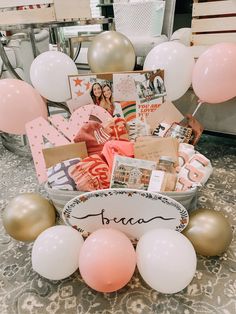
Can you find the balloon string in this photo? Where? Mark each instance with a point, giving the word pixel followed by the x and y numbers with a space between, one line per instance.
pixel 198 106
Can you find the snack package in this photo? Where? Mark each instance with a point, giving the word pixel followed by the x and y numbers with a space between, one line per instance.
pixel 92 173
pixel 181 133
pixel 59 175
pixel 197 129
pixel 161 129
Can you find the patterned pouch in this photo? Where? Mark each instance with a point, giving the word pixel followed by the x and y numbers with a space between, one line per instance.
pixel 59 175
pixel 92 173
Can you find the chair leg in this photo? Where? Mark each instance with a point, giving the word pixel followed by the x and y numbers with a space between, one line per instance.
pixel 137 66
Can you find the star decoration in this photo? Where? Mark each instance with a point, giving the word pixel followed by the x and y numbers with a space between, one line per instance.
pixel 79 93
pixel 87 85
pixel 77 81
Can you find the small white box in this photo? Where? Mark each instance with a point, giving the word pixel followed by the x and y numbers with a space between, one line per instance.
pixel 156 181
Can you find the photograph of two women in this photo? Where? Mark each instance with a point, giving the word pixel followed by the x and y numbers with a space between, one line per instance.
pixel 147 88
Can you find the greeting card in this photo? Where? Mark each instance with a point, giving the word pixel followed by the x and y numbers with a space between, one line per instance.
pixel 150 86
pixel 80 85
pixel 124 86
pixel 129 95
pixel 92 89
pixel 131 173
pixel 150 91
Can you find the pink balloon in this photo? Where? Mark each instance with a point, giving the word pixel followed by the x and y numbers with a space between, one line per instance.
pixel 107 260
pixel 214 74
pixel 19 104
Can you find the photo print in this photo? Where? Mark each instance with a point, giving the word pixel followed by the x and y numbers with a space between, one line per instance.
pixel 150 86
pixel 124 86
pixel 95 89
pixel 151 91
pixel 131 173
pixel 132 96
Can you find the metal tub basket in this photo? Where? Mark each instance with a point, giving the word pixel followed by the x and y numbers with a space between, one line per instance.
pixel 60 198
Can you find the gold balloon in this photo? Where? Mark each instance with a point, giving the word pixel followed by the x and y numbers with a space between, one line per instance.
pixel 111 52
pixel 209 231
pixel 27 215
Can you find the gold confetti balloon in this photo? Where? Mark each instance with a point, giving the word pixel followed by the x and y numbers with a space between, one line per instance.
pixel 27 215
pixel 209 231
pixel 111 52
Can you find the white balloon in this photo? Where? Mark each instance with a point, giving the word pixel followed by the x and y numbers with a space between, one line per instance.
pixel 55 253
pixel 177 62
pixel 183 35
pixel 49 75
pixel 166 260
